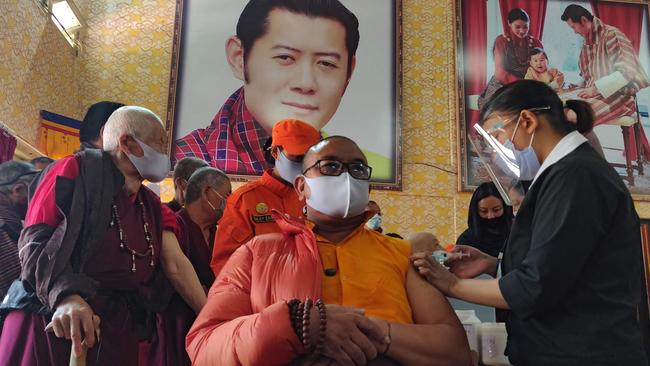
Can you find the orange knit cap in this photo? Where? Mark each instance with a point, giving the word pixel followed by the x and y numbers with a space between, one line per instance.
pixel 294 136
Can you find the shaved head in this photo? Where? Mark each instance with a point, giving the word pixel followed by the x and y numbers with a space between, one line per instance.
pixel 135 121
pixel 329 159
pixel 206 177
pixel 334 147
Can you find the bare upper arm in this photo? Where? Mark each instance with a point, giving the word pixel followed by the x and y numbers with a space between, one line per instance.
pixel 424 242
pixel 428 304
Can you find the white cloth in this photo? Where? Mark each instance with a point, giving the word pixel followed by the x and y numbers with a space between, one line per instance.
pixel 610 84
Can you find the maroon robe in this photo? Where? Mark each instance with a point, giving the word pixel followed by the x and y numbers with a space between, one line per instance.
pixel 24 341
pixel 168 346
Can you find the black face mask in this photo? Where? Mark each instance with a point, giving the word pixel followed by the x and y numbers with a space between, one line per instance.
pixel 495 225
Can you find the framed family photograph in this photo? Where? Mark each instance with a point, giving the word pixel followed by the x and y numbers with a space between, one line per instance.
pixel 238 68
pixel 596 51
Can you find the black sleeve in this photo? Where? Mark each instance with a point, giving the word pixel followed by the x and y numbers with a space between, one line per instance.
pixel 572 210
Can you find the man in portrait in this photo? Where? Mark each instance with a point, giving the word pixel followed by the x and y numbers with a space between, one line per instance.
pixel 295 58
pixel 609 66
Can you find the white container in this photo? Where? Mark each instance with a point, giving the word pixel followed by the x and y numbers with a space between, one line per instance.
pixel 493 344
pixel 472 325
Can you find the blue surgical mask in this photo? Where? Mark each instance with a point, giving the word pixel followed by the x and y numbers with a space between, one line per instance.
pixel 526 159
pixel 375 222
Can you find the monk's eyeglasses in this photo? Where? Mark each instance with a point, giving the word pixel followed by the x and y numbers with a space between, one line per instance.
pixel 335 168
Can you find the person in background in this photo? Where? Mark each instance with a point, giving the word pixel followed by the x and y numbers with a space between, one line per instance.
pixel 93 241
pixel 421 241
pixel 572 268
pixel 369 304
pixel 516 193
pixel 15 178
pixel 205 201
pixel 182 173
pixel 488 221
pixel 375 221
pixel 92 126
pixel 248 210
pixel 41 162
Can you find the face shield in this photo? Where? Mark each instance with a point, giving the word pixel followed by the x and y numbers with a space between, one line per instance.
pixel 498 161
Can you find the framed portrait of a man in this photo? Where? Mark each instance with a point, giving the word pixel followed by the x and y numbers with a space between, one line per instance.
pixel 240 66
pixel 594 51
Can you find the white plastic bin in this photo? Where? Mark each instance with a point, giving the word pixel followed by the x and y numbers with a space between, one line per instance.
pixel 493 344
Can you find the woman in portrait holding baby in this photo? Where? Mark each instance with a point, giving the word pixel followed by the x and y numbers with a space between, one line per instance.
pixel 511 53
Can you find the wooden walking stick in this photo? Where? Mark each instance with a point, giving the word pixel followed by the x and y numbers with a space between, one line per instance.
pixel 81 359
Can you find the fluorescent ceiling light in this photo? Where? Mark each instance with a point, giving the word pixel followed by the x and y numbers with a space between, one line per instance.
pixel 65 15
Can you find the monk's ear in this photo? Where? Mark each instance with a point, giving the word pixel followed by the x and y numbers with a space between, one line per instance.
pixel 180 183
pixel 205 192
pixel 128 145
pixel 301 187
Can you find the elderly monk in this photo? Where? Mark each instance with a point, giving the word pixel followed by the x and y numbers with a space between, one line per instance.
pixel 182 173
pixel 94 240
pixel 205 199
pixel 331 291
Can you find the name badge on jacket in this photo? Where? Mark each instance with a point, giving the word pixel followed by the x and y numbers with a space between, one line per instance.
pixel 262 219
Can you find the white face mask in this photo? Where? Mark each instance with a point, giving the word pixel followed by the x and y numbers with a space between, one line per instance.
pixel 218 212
pixel 152 166
pixel 287 169
pixel 341 196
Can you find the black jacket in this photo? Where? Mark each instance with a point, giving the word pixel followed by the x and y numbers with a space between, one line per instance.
pixel 53 259
pixel 572 268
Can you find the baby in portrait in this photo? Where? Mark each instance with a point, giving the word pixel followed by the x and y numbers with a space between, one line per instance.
pixel 539 70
